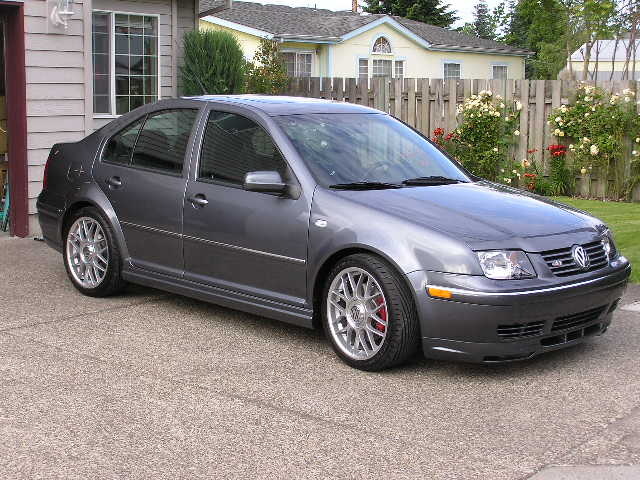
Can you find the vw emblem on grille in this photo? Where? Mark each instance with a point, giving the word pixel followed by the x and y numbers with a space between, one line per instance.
pixel 580 256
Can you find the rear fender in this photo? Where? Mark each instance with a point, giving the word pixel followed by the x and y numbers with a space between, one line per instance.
pixel 90 193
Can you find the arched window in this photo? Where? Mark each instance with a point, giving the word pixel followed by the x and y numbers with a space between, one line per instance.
pixel 382 45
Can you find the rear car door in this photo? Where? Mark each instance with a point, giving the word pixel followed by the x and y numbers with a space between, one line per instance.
pixel 143 171
pixel 248 242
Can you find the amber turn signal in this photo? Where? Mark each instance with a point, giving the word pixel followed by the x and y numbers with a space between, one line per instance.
pixel 439 293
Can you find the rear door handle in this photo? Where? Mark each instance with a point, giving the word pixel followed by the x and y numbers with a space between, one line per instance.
pixel 114 182
pixel 198 200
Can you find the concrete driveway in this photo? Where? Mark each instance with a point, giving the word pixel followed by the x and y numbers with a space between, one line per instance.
pixel 151 385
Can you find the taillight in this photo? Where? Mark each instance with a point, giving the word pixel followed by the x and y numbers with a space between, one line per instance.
pixel 52 154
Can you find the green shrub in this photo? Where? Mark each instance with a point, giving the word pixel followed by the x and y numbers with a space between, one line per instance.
pixel 213 63
pixel 267 73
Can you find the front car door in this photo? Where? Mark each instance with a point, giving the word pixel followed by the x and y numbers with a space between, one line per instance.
pixel 246 242
pixel 143 172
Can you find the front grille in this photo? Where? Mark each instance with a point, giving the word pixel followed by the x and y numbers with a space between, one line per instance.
pixel 561 262
pixel 577 319
pixel 520 330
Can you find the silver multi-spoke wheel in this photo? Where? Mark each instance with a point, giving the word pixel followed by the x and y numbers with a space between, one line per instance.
pixel 357 313
pixel 87 252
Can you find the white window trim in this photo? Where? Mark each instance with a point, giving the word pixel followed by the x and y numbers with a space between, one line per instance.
pixel 455 62
pixel 112 58
pixel 377 37
pixel 362 57
pixel 303 51
pixel 506 65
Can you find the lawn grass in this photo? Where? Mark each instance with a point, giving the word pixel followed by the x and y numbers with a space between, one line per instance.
pixel 624 221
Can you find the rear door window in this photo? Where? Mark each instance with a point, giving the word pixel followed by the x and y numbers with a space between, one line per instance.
pixel 120 146
pixel 162 142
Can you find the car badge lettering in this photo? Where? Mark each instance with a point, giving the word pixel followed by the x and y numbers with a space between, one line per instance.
pixel 580 256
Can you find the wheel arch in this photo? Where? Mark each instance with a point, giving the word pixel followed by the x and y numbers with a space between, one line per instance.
pixel 104 207
pixel 327 264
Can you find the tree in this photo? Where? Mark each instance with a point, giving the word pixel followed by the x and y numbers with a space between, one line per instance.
pixel 433 12
pixel 267 72
pixel 484 23
pixel 213 63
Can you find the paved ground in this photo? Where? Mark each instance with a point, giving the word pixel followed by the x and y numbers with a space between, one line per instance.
pixel 150 385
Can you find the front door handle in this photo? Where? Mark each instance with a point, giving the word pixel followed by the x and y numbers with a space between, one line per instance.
pixel 114 182
pixel 198 200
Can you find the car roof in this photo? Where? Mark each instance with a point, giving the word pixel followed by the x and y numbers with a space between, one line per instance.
pixel 282 105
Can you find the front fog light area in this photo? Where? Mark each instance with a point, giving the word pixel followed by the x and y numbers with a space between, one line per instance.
pixel 506 264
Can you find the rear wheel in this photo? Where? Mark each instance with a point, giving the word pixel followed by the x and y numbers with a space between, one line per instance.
pixel 368 313
pixel 91 256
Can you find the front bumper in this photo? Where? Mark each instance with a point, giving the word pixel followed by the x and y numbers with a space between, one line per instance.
pixel 488 325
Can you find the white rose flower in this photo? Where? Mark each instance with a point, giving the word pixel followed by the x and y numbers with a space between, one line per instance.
pixel 561 134
pixel 638 140
pixel 495 149
pixel 514 171
pixel 558 119
pixel 517 133
pixel 634 153
pixel 583 171
pixel 518 105
pixel 594 150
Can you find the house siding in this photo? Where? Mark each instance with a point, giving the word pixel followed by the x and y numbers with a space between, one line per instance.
pixel 59 74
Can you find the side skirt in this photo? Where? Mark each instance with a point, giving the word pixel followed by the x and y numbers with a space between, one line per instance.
pixel 258 306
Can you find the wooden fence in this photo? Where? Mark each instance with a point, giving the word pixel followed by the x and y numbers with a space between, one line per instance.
pixel 427 104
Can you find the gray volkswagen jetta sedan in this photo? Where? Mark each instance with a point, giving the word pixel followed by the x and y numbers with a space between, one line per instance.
pixel 328 214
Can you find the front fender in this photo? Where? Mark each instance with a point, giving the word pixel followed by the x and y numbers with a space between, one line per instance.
pixel 338 224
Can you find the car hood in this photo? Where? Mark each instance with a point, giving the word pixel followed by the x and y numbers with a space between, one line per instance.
pixel 478 212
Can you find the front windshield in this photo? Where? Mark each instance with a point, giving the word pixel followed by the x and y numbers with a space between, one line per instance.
pixel 361 147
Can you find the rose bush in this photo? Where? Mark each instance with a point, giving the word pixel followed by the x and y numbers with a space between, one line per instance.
pixel 597 126
pixel 486 131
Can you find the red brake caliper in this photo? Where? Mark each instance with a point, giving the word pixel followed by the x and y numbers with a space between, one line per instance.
pixel 382 313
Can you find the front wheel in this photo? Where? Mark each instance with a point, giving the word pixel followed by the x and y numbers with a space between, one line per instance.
pixel 91 255
pixel 369 314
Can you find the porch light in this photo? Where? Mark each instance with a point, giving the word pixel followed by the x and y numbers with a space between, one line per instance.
pixel 61 13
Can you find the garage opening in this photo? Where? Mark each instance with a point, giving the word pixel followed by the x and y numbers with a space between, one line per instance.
pixel 13 119
pixel 5 198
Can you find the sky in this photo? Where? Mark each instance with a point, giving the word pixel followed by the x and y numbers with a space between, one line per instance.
pixel 464 7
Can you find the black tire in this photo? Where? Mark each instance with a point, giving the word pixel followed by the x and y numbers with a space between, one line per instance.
pixel 403 332
pixel 112 282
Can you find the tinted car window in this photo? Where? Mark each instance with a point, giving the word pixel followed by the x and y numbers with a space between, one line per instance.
pixel 163 140
pixel 120 146
pixel 234 145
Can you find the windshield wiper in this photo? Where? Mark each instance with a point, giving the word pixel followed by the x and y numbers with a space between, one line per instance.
pixel 364 186
pixel 432 180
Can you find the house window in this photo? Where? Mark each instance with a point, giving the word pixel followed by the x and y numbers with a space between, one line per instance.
pixel 399 69
pixel 125 62
pixel 298 64
pixel 363 68
pixel 382 68
pixel 451 70
pixel 382 45
pixel 500 72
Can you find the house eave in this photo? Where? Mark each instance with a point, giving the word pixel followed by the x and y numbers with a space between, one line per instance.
pixel 292 37
pixel 468 49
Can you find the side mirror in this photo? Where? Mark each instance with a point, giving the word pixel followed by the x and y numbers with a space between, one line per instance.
pixel 265 182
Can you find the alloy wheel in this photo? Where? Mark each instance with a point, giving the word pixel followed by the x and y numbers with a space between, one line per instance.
pixel 357 313
pixel 87 252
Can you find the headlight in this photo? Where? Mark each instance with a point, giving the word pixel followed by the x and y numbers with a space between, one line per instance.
pixel 506 264
pixel 608 245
